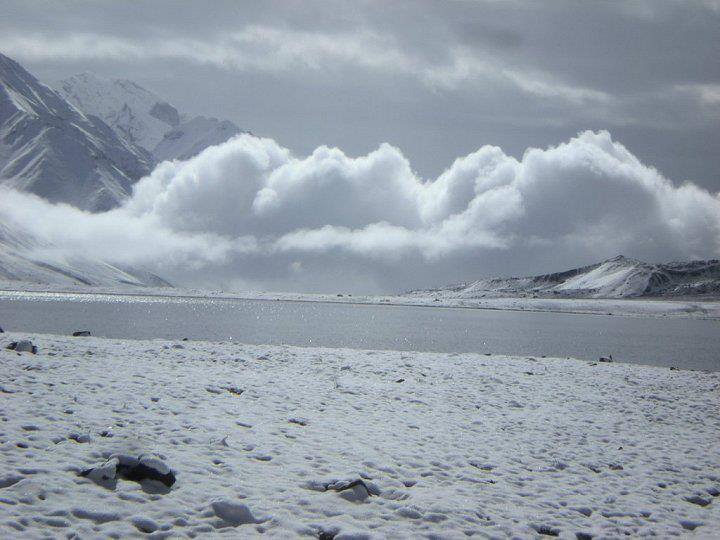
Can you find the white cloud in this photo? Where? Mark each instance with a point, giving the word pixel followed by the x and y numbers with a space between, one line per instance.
pixel 465 66
pixel 266 48
pixel 707 94
pixel 249 204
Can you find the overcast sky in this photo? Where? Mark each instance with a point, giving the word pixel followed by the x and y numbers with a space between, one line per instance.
pixel 438 81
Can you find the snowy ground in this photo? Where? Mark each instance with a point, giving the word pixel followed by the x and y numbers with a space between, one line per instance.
pixel 645 307
pixel 447 445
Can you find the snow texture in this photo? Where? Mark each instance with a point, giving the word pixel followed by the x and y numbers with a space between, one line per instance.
pixel 392 445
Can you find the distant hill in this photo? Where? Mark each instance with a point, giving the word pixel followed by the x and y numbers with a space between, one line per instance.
pixel 620 277
pixel 51 148
pixel 25 258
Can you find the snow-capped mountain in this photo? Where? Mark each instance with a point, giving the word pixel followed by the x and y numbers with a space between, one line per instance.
pixel 31 260
pixel 620 277
pixel 50 148
pixel 143 118
pixel 135 114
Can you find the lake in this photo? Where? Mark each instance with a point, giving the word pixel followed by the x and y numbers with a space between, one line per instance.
pixel 686 343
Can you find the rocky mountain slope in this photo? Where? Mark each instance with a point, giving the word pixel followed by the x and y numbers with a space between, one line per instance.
pixel 51 148
pixel 143 118
pixel 620 277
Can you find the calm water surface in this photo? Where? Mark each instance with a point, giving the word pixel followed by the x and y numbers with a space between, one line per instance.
pixel 684 343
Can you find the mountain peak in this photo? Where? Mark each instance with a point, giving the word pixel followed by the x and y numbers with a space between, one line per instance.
pixel 54 150
pixel 143 118
pixel 622 259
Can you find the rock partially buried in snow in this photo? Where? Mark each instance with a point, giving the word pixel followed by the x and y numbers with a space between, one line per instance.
pixel 81 333
pixel 148 468
pixel 141 469
pixel 22 346
pixel 233 513
pixel 105 475
pixel 80 437
pixel 354 490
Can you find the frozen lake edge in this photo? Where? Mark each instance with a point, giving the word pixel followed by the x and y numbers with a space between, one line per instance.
pixel 690 308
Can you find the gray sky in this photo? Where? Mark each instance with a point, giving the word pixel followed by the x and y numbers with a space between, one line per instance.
pixel 437 79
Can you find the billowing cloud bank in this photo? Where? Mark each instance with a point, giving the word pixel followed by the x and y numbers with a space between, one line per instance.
pixel 248 213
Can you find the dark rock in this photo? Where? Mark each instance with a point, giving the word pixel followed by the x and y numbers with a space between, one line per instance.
pixel 352 490
pixel 80 438
pixel 546 530
pixel 148 468
pixel 605 359
pixel 22 346
pixel 696 499
pixel 400 380
pixel 105 475
pixel 583 536
pixel 298 421
pixel 81 333
pixel 326 535
pixel 140 469
pixel 689 525
pixel 233 513
pixel 1 330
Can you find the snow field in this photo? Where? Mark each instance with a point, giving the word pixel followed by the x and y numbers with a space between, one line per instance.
pixel 429 445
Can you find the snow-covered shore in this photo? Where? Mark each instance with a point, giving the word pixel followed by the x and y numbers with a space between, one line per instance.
pixel 691 308
pixel 445 445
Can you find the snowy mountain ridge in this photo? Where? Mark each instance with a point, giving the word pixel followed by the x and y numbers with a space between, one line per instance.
pixel 619 277
pixel 143 118
pixel 89 142
pixel 51 148
pixel 134 113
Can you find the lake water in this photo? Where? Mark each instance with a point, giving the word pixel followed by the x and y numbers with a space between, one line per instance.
pixel 685 343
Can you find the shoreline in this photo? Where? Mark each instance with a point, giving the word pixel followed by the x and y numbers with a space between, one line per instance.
pixel 448 444
pixel 626 307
